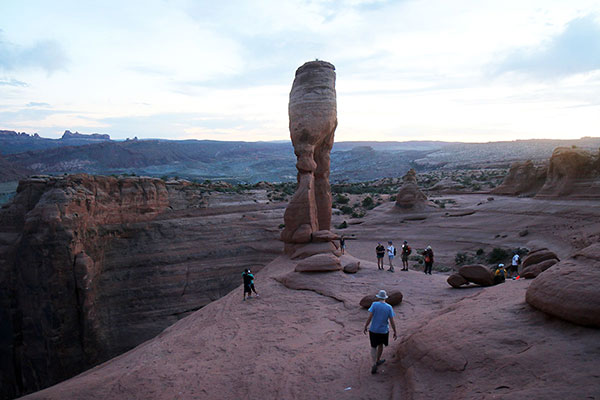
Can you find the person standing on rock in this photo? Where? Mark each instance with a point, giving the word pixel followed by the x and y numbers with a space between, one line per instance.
pixel 380 313
pixel 248 279
pixel 428 258
pixel 380 251
pixel 391 250
pixel 343 244
pixel 514 267
pixel 251 275
pixel 404 253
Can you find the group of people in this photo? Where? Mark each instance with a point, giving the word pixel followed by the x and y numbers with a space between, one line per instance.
pixel 405 251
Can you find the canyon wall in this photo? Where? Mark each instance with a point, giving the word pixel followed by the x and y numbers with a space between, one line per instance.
pixel 91 266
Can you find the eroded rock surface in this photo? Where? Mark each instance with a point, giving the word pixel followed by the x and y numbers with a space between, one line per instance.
pixel 91 266
pixel 523 178
pixel 569 290
pixel 313 119
pixel 410 197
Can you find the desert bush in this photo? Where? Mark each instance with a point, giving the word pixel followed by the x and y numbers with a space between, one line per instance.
pixel 479 252
pixel 460 258
pixel 346 209
pixel 343 225
pixel 368 202
pixel 497 254
pixel 358 214
pixel 341 199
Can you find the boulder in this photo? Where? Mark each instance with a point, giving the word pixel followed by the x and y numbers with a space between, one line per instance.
pixel 319 263
pixel 569 290
pixel 538 256
pixel 394 298
pixel 350 264
pixel 478 274
pixel 324 236
pixel 456 281
pixel 311 249
pixel 534 270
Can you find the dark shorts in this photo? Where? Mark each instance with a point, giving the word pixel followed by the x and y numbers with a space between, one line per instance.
pixel 378 338
pixel 247 289
pixel 404 257
pixel 380 255
pixel 513 268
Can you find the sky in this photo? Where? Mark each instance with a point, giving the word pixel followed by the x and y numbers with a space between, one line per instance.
pixel 452 70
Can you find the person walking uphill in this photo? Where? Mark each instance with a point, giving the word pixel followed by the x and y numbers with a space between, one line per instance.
pixel 380 251
pixel 428 255
pixel 391 250
pixel 380 313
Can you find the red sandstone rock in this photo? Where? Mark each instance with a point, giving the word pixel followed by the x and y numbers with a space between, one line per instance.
pixel 324 236
pixel 537 257
pixel 569 290
pixel 522 178
pixel 313 119
pixel 456 281
pixel 310 249
pixel 394 298
pixel 478 274
pixel 410 196
pixel 532 271
pixel 574 173
pixel 350 264
pixel 319 263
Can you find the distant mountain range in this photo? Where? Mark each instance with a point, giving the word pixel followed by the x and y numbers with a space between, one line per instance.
pixel 22 154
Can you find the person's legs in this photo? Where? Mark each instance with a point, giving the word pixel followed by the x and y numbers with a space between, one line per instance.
pixel 253 289
pixel 379 353
pixel 391 259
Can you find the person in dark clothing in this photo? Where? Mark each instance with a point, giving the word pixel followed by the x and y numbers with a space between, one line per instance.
pixel 248 283
pixel 428 258
pixel 380 251
pixel 343 244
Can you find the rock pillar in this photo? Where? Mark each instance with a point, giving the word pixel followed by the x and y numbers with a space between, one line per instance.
pixel 313 119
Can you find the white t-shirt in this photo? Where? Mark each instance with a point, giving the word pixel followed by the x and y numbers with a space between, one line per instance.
pixel 390 250
pixel 515 260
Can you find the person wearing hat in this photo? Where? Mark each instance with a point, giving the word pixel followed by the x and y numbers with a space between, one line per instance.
pixel 380 314
pixel 499 274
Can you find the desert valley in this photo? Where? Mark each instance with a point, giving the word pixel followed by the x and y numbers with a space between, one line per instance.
pixel 121 262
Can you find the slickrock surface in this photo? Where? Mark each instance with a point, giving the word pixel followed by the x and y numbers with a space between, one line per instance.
pixel 523 178
pixel 92 266
pixel 313 119
pixel 303 338
pixel 569 290
pixel 410 197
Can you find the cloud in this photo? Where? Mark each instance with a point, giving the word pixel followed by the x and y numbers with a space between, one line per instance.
pixel 575 50
pixel 12 81
pixel 37 104
pixel 47 55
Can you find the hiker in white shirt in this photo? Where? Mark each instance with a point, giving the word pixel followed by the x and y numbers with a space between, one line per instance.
pixel 391 250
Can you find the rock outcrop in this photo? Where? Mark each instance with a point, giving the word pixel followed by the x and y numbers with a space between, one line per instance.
pixel 573 173
pixel 532 271
pixel 569 290
pixel 536 257
pixel 523 178
pixel 456 281
pixel 91 266
pixel 410 197
pixel 313 119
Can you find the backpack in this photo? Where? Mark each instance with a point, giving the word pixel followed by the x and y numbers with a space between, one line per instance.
pixel 394 251
pixel 499 275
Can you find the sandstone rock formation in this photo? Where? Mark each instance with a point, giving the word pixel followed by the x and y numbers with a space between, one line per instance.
pixel 456 281
pixel 350 264
pixel 572 173
pixel 410 197
pixel 536 257
pixel 394 298
pixel 319 263
pixel 569 290
pixel 313 119
pixel 478 274
pixel 91 266
pixel 523 178
pixel 533 270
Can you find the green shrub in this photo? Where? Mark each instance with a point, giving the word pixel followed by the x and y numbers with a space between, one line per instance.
pixel 368 202
pixel 341 199
pixel 346 210
pixel 497 254
pixel 479 252
pixel 343 225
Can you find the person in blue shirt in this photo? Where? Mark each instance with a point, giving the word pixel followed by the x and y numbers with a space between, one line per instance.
pixel 380 313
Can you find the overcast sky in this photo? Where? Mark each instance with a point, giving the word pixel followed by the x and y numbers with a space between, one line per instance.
pixel 451 70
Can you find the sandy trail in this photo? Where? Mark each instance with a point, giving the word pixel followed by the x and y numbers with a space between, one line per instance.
pixel 302 339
